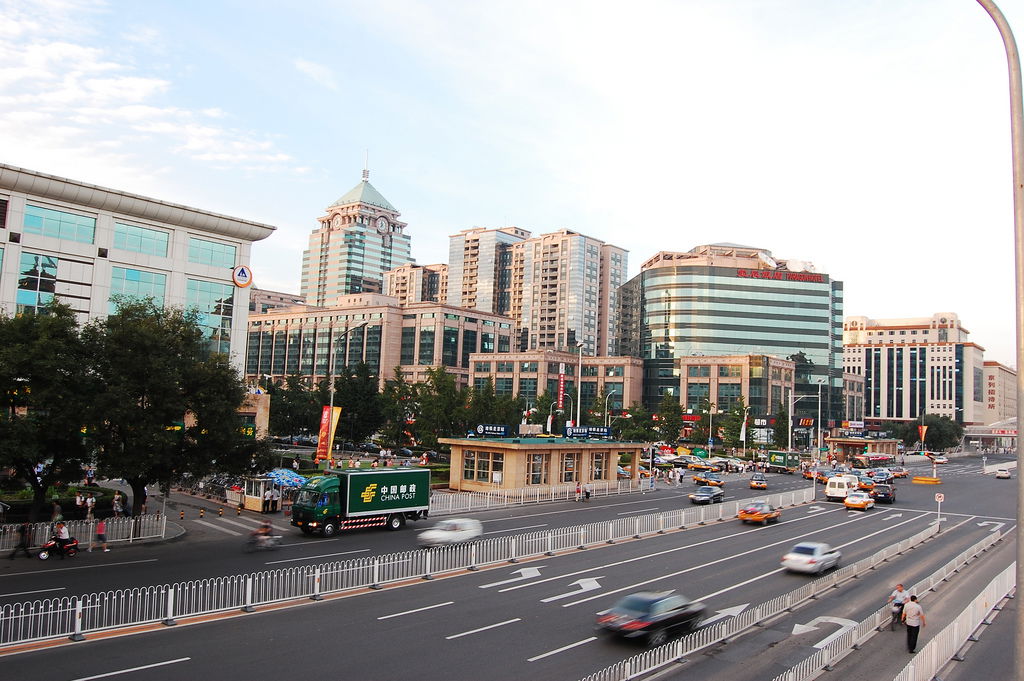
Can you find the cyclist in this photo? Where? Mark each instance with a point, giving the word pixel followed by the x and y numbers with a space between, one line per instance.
pixel 260 534
pixel 898 598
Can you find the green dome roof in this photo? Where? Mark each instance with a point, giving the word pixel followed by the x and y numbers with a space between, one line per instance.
pixel 364 192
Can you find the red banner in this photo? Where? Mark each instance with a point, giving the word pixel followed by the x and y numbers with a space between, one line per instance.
pixel 921 430
pixel 561 385
pixel 325 442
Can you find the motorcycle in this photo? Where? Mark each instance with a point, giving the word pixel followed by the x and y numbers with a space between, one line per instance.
pixel 266 542
pixel 52 547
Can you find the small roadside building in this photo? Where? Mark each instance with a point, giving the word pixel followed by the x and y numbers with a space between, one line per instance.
pixel 480 464
pixel 845 448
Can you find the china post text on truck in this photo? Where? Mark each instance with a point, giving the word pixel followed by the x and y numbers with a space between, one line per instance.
pixel 355 498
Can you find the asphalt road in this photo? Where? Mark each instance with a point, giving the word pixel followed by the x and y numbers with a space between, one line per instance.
pixel 504 623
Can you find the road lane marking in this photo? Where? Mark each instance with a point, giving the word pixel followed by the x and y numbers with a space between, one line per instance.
pixel 585 584
pixel 666 552
pixel 524 573
pixel 325 555
pixel 562 649
pixel 887 528
pixel 37 591
pixel 477 631
pixel 639 510
pixel 409 612
pixel 516 529
pixel 225 530
pixel 133 669
pixel 82 567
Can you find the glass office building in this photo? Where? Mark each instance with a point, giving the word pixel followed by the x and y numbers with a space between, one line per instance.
pixel 724 299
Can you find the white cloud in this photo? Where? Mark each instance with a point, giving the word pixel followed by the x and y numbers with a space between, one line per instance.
pixel 317 72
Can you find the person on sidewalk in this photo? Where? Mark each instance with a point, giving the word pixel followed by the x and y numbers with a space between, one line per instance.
pixel 913 617
pixel 101 535
pixel 898 598
pixel 24 530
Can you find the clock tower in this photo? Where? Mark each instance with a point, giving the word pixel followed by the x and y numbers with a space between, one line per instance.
pixel 356 242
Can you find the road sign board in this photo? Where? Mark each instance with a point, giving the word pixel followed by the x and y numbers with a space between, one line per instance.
pixel 940 497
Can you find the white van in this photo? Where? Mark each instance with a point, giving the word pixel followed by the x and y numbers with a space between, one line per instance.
pixel 838 486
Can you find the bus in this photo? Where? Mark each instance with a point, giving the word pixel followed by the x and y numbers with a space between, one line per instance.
pixel 873 460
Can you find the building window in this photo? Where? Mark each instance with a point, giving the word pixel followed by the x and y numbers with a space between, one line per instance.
pixel 613 371
pixel 482 367
pixel 483 466
pixel 37 280
pixel 696 393
pixel 408 354
pixel 504 367
pixel 504 344
pixel 528 388
pixel 731 371
pixel 503 386
pixel 528 367
pixel 140 239
pixel 468 346
pixel 601 466
pixel 136 284
pixel 59 225
pixel 587 370
pixel 728 396
pixel 211 253
pixel 569 467
pixel 487 341
pixel 698 371
pixel 537 469
pixel 215 303
pixel 426 354
pixel 450 347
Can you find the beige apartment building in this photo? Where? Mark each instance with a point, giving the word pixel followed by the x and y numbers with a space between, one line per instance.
pixel 315 342
pixel 1000 393
pixel 417 283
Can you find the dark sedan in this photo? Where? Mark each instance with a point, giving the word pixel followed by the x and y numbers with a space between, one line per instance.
pixel 884 493
pixel 707 495
pixel 652 616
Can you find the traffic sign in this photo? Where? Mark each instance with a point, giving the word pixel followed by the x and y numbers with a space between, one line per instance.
pixel 940 497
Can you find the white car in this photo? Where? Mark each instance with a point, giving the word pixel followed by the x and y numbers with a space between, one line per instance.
pixel 452 531
pixel 1003 473
pixel 811 556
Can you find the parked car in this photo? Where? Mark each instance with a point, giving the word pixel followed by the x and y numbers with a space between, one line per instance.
pixel 402 451
pixel 859 500
pixel 760 512
pixel 451 531
pixel 438 457
pixel 707 495
pixel 884 492
pixel 811 557
pixel 1003 473
pixel 369 447
pixel 652 616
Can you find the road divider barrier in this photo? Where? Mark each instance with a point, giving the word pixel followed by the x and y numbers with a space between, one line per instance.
pixel 74 617
pixel 811 667
pixel 926 480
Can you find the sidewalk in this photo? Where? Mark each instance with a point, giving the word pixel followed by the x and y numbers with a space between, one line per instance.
pixel 885 655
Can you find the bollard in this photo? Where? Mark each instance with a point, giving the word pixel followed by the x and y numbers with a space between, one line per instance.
pixel 238 511
pixel 220 512
pixel 202 512
pixel 181 516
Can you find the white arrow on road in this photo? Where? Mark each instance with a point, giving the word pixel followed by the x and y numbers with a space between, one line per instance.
pixel 728 612
pixel 996 528
pixel 844 625
pixel 815 509
pixel 525 573
pixel 586 584
pixel 893 515
pixel 938 520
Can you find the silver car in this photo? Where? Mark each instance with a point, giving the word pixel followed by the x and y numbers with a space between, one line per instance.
pixel 452 531
pixel 811 557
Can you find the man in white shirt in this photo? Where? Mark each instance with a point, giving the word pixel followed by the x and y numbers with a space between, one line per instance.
pixel 913 617
pixel 898 598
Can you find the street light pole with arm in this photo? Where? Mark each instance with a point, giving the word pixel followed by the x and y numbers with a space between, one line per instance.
pixel 606 419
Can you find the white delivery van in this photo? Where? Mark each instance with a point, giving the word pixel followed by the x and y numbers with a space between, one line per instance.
pixel 838 486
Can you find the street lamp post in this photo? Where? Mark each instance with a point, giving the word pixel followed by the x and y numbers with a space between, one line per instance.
pixel 711 429
pixel 579 383
pixel 551 415
pixel 793 401
pixel 820 383
pixel 606 419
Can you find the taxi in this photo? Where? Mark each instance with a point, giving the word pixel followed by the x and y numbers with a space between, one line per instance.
pixel 899 472
pixel 810 473
pixel 760 512
pixel 702 465
pixel 758 481
pixel 859 500
pixel 712 479
pixel 822 477
pixel 865 484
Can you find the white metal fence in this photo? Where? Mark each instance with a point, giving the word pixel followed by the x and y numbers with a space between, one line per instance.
pixel 446 503
pixel 118 530
pixel 945 646
pixel 75 617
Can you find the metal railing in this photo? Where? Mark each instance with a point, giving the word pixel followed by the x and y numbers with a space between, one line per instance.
pixel 444 503
pixel 77 616
pixel 118 530
pixel 945 646
pixel 993 467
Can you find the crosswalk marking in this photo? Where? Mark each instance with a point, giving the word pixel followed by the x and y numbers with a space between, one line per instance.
pixel 213 526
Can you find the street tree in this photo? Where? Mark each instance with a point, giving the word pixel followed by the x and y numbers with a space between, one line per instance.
pixel 167 406
pixel 780 429
pixel 399 406
pixel 294 408
pixel 943 432
pixel 442 408
pixel 358 395
pixel 670 418
pixel 45 387
pixel 636 425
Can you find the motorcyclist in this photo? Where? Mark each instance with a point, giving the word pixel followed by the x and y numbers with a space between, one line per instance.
pixel 62 536
pixel 898 598
pixel 262 533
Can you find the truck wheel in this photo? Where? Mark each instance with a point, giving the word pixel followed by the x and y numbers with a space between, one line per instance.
pixel 329 529
pixel 396 521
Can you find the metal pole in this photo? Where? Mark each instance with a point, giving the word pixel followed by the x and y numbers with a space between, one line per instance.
pixel 579 384
pixel 1017 156
pixel 711 430
pixel 790 447
pixel 816 454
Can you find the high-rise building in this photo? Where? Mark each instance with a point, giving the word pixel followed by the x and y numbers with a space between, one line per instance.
pixel 417 283
pixel 85 244
pixel 725 299
pixel 357 241
pixel 916 366
pixel 262 300
pixel 480 268
pixel 1000 393
pixel 565 292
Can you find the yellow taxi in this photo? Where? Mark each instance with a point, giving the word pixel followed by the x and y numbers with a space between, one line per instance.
pixel 758 481
pixel 859 500
pixel 760 512
pixel 702 465
pixel 712 479
pixel 865 484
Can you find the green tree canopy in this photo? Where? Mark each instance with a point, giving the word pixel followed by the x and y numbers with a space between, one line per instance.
pixel 670 418
pixel 943 432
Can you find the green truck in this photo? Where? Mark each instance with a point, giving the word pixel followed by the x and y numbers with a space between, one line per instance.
pixel 783 462
pixel 349 499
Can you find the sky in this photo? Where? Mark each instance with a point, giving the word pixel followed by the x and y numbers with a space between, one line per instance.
pixel 868 137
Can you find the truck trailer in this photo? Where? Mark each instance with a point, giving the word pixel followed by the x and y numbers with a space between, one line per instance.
pixel 347 499
pixel 783 462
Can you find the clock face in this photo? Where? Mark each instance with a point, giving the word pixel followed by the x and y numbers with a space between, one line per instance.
pixel 382 225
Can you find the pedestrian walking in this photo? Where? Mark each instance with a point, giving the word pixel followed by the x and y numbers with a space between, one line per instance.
pixel 588 490
pixel 913 617
pixel 90 476
pixel 79 504
pixel 90 506
pixel 295 465
pixel 118 505
pixel 101 535
pixel 24 531
pixel 579 491
pixel 266 501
